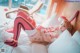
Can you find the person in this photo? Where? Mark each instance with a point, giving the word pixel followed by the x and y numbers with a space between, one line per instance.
pixel 39 36
pixel 24 21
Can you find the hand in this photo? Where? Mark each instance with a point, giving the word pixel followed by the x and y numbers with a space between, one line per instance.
pixel 7 15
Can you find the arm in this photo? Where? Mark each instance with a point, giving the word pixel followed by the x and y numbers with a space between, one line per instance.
pixel 7 14
pixel 12 11
pixel 36 7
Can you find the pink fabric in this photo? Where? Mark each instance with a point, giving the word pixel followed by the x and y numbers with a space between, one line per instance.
pixel 26 17
pixel 23 20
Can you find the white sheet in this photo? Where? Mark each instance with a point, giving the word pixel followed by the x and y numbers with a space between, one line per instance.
pixel 24 44
pixel 64 44
pixel 76 37
pixel 39 48
pixel 22 49
pixel 50 21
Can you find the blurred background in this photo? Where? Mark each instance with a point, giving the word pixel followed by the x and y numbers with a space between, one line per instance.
pixel 28 3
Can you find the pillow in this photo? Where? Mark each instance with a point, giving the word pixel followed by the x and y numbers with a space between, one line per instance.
pixel 76 36
pixel 64 44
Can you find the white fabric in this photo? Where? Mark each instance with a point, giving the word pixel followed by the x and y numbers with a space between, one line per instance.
pixel 13 15
pixel 30 32
pixel 23 39
pixel 39 48
pixel 22 49
pixel 24 44
pixel 76 36
pixel 49 22
pixel 64 44
pixel 43 1
pixel 60 20
pixel 31 48
pixel 5 35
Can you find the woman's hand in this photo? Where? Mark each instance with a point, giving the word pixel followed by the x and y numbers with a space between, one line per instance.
pixel 7 15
